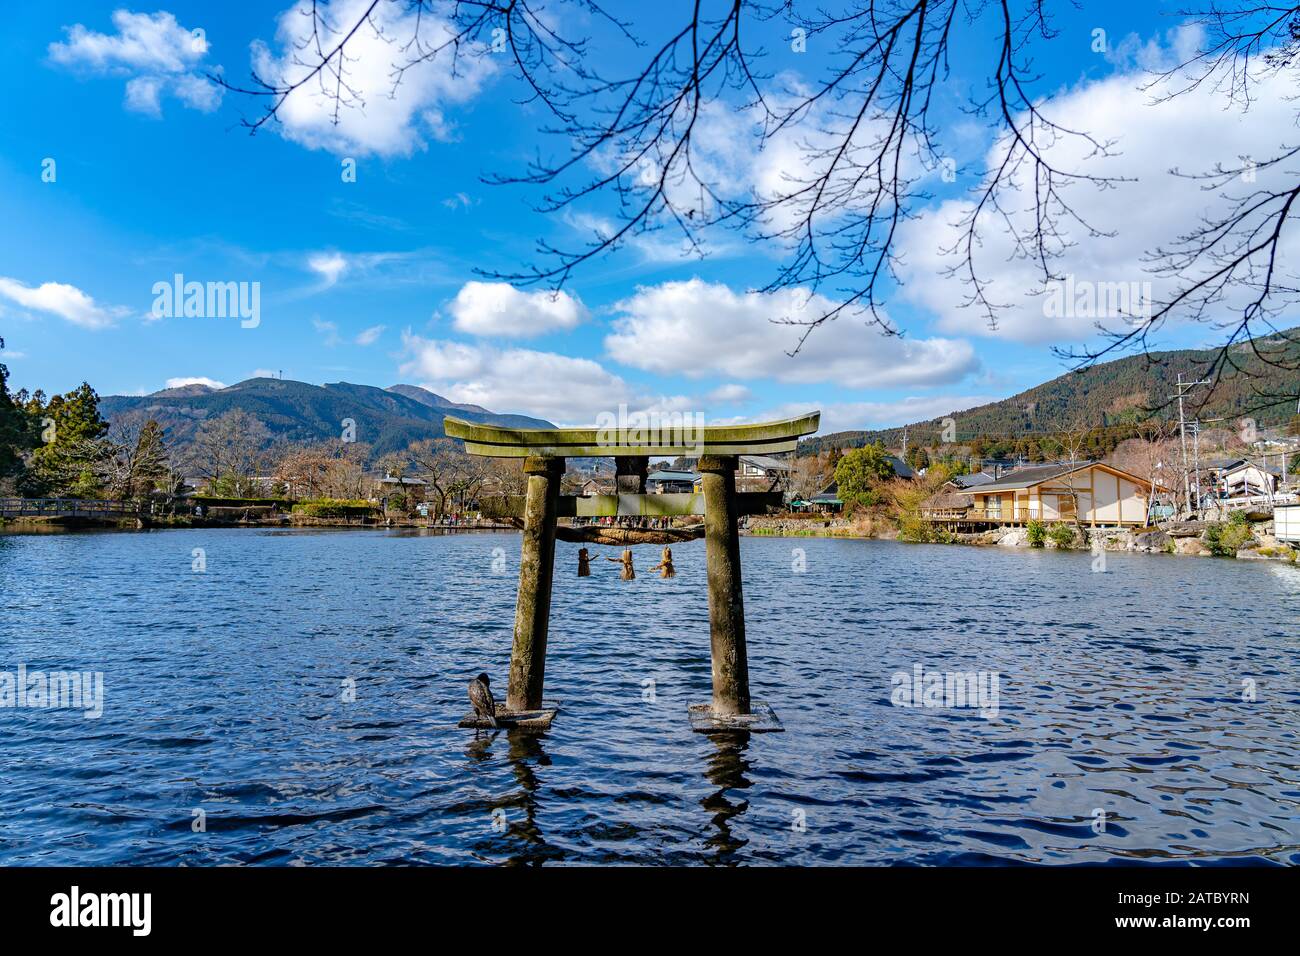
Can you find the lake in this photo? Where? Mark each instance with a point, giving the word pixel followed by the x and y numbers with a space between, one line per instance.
pixel 295 702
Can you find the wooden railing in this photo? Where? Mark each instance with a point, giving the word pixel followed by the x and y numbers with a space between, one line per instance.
pixel 1008 515
pixel 65 507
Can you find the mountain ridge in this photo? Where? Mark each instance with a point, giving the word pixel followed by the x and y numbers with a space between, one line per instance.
pixel 386 419
pixel 1128 390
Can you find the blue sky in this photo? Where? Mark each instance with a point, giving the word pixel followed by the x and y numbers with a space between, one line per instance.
pixel 371 281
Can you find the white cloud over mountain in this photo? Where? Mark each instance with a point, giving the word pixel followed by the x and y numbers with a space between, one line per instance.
pixel 194 380
pixel 155 53
pixel 1191 132
pixel 560 388
pixel 698 328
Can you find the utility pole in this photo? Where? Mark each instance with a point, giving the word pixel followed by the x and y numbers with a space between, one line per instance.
pixel 1196 459
pixel 904 456
pixel 1182 433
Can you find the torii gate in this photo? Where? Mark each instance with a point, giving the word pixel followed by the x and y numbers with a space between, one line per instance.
pixel 718 448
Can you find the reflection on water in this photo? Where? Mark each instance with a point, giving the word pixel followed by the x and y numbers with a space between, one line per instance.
pixel 1122 700
pixel 726 771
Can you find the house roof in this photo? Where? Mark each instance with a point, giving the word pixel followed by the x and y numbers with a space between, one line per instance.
pixel 1028 477
pixel 948 501
pixel 388 480
pixel 971 481
pixel 1037 474
pixel 828 495
pixel 766 462
pixel 1222 464
pixel 901 468
pixel 1246 465
pixel 671 476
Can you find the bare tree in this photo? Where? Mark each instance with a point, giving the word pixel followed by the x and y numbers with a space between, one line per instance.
pixel 810 474
pixel 865 135
pixel 136 460
pixel 227 452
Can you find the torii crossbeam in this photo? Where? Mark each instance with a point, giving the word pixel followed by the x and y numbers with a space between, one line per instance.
pixel 717 448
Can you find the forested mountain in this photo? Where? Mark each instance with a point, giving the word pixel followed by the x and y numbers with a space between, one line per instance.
pixel 1129 391
pixel 386 419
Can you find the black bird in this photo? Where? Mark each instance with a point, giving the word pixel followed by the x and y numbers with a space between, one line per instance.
pixel 480 697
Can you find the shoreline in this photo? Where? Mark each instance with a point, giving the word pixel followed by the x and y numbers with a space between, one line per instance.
pixel 1188 541
pixel 54 525
pixel 1258 545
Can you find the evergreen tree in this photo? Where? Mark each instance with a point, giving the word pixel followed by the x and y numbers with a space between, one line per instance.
pixel 69 459
pixel 860 471
pixel 17 436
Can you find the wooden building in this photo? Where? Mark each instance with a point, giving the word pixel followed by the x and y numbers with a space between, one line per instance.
pixel 1092 493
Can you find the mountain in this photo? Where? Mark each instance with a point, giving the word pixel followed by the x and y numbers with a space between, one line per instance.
pixel 387 419
pixel 434 400
pixel 1120 393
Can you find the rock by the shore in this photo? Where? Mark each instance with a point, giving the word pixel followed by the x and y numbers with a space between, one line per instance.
pixel 1014 538
pixel 1151 542
pixel 1192 546
pixel 1265 553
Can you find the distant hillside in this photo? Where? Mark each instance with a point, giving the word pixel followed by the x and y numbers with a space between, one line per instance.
pixel 434 400
pixel 386 419
pixel 1125 391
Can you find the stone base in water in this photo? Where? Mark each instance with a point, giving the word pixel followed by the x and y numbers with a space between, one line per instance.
pixel 539 719
pixel 761 719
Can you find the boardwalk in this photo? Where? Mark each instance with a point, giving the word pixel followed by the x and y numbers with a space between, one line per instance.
pixel 66 508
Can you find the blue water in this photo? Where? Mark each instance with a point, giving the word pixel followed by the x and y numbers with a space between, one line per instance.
pixel 1119 692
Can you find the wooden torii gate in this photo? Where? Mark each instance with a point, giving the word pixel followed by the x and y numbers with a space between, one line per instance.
pixel 717 448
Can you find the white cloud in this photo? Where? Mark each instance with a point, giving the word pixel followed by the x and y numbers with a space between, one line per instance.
pixel 460 200
pixel 143 95
pixel 559 388
pixel 697 328
pixel 330 331
pixel 370 336
pixel 377 117
pixel 1191 132
pixel 195 380
pixel 328 265
pixel 65 301
pixel 153 50
pixel 497 308
pixel 729 394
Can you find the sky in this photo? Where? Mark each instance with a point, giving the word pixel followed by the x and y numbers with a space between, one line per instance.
pixel 123 166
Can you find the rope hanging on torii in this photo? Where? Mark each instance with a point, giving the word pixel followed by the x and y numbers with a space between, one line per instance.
pixel 615 536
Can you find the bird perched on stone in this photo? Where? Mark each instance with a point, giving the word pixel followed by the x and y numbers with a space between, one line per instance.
pixel 480 697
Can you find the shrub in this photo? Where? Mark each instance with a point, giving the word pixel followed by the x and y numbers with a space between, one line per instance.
pixel 1226 539
pixel 334 508
pixel 1037 533
pixel 1062 535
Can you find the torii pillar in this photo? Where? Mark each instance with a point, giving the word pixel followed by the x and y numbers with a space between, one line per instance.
pixel 726 597
pixel 536 570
